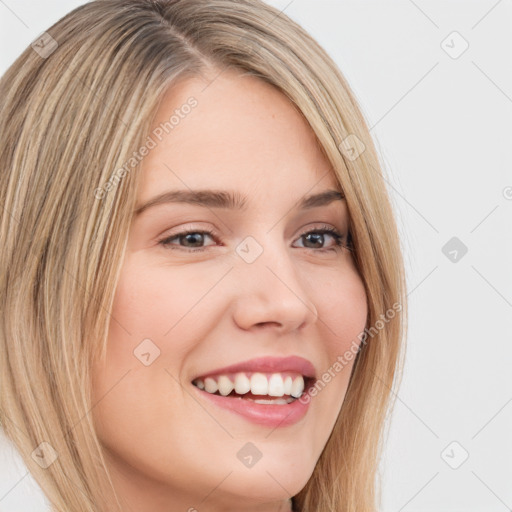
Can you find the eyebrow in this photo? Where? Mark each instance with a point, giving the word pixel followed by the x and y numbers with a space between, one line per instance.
pixel 230 200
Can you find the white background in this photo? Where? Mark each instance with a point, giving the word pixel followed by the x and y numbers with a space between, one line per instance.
pixel 443 130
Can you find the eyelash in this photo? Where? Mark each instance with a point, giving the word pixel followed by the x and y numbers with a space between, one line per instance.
pixel 338 237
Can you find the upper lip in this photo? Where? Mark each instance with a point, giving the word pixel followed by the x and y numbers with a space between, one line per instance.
pixel 267 364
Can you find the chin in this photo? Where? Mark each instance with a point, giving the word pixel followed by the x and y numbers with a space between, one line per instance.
pixel 275 480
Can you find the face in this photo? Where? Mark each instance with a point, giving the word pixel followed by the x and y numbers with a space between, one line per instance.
pixel 258 296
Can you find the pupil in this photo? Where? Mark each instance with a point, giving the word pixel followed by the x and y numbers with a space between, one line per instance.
pixel 317 236
pixel 199 235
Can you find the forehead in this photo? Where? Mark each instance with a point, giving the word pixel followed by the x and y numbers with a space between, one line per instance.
pixel 235 132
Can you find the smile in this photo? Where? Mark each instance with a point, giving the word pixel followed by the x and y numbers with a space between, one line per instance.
pixel 279 388
pixel 264 391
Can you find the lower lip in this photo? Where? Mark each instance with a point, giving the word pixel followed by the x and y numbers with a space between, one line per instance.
pixel 262 414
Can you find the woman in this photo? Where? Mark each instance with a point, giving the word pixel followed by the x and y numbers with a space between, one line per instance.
pixel 202 282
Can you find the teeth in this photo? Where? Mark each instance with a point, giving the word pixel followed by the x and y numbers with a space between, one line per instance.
pixel 210 385
pixel 242 384
pixel 288 385
pixel 275 401
pixel 259 384
pixel 225 385
pixel 297 387
pixel 274 385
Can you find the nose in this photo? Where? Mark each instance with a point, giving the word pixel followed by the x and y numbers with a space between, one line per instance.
pixel 270 293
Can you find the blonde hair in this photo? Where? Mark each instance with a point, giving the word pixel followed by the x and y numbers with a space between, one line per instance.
pixel 73 109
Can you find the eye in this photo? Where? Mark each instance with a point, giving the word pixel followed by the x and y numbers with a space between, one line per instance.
pixel 317 236
pixel 194 238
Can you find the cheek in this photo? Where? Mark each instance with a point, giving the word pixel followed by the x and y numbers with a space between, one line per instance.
pixel 342 315
pixel 151 303
pixel 342 309
pixel 157 318
pixel 134 398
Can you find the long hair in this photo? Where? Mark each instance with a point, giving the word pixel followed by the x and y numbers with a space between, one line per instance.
pixel 74 107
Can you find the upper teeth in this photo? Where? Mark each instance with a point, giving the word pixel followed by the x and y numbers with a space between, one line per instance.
pixel 274 384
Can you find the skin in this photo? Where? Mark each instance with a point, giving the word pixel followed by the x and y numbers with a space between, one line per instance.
pixel 167 450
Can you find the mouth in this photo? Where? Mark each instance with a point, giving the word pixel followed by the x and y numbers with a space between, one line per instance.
pixel 266 391
pixel 276 388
